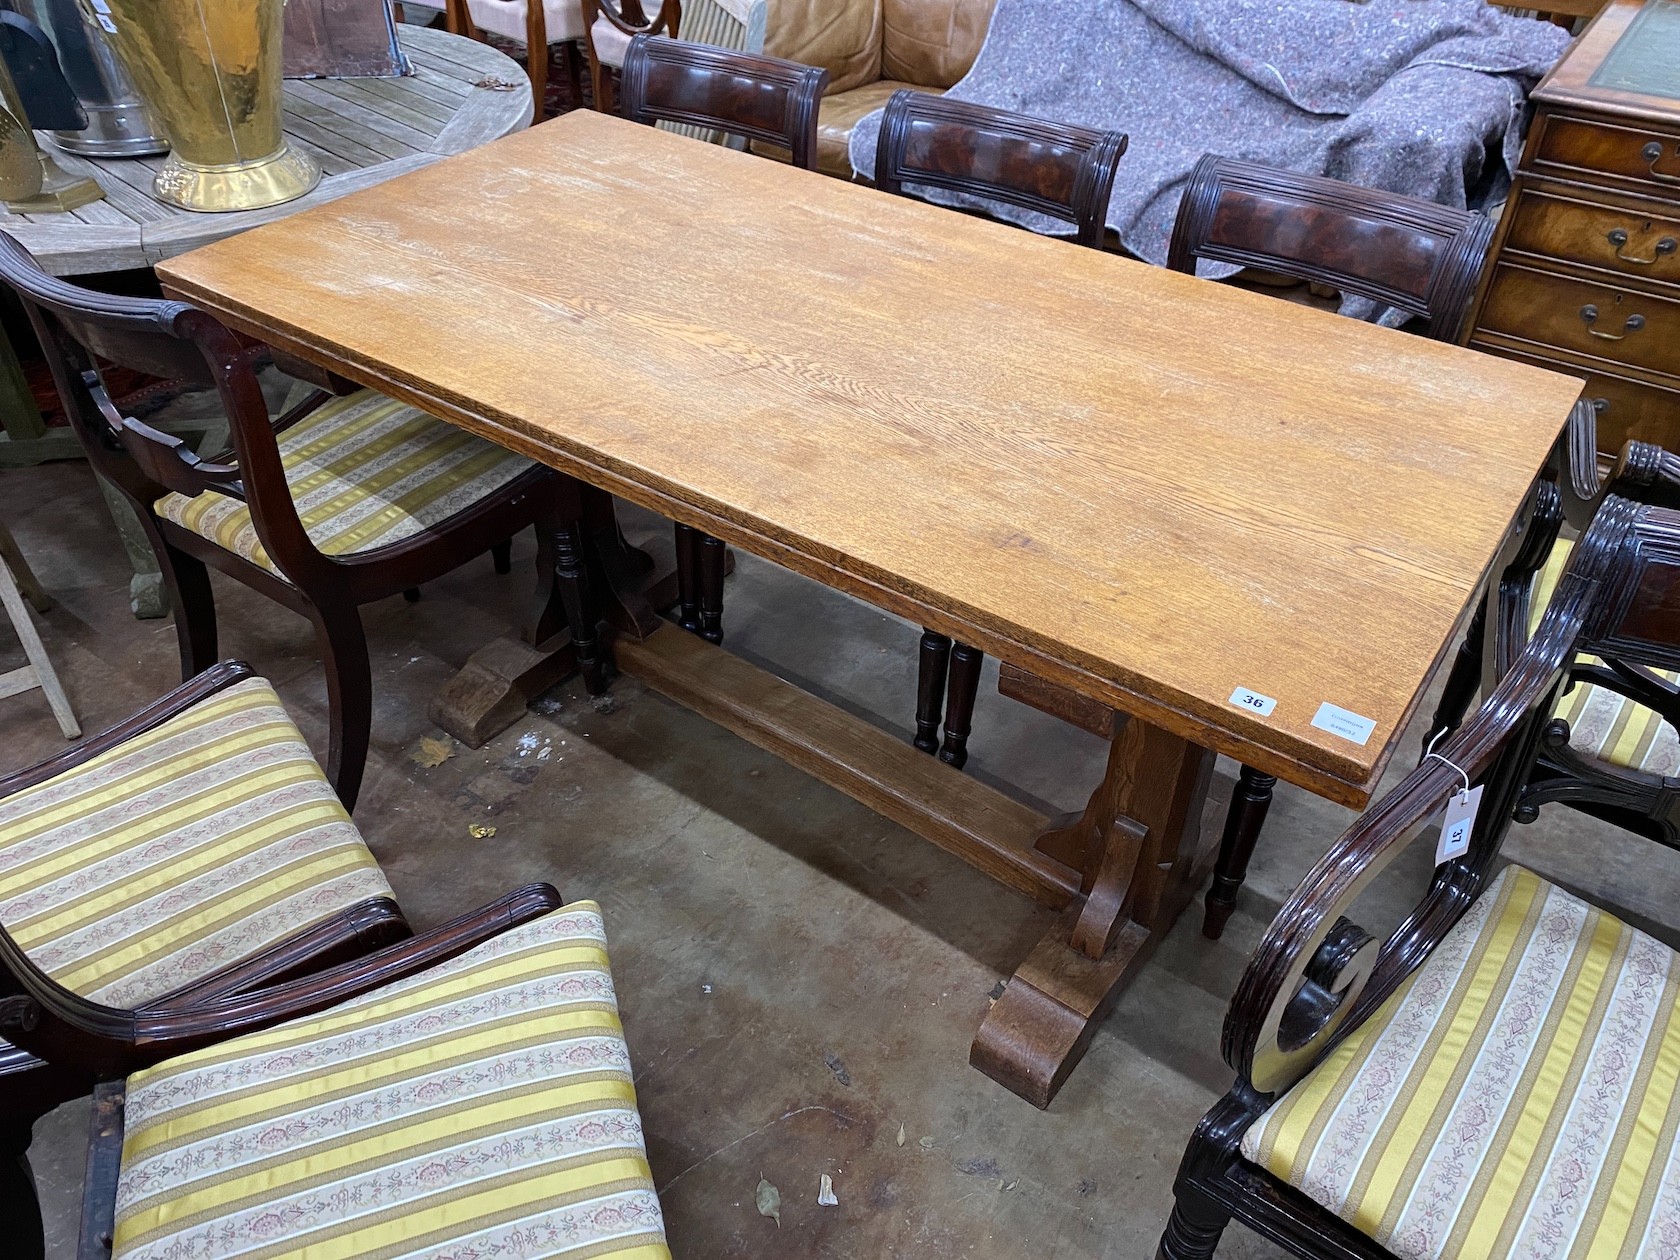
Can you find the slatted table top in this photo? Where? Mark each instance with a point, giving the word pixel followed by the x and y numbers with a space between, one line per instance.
pixel 1158 489
pixel 361 131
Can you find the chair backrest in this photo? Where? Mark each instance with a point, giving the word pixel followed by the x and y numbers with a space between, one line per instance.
pixel 742 94
pixel 1417 256
pixel 1316 974
pixel 1057 169
pixel 78 328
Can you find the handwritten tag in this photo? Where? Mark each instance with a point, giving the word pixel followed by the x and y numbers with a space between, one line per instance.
pixel 1457 824
pixel 1338 721
pixel 1253 701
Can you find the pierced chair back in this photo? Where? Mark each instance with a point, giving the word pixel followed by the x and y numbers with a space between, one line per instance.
pixel 78 328
pixel 1416 256
pixel 608 29
pixel 1316 975
pixel 1056 169
pixel 744 95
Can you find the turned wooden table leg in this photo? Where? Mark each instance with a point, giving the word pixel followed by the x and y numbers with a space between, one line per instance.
pixel 1138 846
pixel 932 664
pixel 583 615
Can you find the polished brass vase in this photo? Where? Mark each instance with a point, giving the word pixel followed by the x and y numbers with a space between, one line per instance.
pixel 211 70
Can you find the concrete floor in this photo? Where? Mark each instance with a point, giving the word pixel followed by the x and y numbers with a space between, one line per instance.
pixel 800 979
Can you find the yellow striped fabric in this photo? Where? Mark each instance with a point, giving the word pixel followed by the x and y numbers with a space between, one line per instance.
pixel 365 471
pixel 1605 724
pixel 481 1109
pixel 183 851
pixel 1516 1098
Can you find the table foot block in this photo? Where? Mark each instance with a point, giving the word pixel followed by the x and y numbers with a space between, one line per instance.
pixel 979 824
pixel 1038 1031
pixel 493 688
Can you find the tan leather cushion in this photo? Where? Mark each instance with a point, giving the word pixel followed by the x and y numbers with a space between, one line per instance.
pixel 841 112
pixel 841 36
pixel 932 43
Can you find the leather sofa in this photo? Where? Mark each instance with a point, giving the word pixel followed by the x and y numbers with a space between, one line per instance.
pixel 871 49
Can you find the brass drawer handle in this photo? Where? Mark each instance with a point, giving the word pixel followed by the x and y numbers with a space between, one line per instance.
pixel 1652 153
pixel 1619 238
pixel 1633 324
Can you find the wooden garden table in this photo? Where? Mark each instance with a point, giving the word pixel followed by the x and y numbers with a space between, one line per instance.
pixel 1159 491
pixel 362 132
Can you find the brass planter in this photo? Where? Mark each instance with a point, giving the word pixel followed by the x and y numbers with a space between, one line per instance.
pixel 211 70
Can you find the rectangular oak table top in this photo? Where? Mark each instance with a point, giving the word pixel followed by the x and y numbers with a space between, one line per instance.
pixel 1153 488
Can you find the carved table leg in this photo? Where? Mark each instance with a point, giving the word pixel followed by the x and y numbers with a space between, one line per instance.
pixel 959 703
pixel 932 664
pixel 1138 844
pixel 1250 803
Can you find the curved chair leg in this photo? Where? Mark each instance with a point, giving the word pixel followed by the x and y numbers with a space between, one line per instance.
pixel 187 582
pixel 20 1207
pixel 932 665
pixel 501 555
pixel 1249 805
pixel 1192 1231
pixel 572 56
pixel 959 703
pixel 1464 679
pixel 344 655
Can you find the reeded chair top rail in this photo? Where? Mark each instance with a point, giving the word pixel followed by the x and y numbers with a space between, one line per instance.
pixel 1057 169
pixel 1417 256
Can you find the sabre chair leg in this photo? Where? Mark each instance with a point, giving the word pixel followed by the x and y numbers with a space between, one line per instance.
pixel 583 615
pixel 932 665
pixel 501 557
pixel 1249 805
pixel 344 656
pixel 20 1206
pixel 1192 1231
pixel 959 703
pixel 688 578
pixel 1463 679
pixel 713 555
pixel 187 583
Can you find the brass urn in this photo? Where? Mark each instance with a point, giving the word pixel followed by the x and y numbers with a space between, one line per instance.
pixel 211 70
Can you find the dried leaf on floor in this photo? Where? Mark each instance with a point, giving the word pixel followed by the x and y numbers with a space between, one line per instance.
pixel 825 1192
pixel 901 1135
pixel 432 753
pixel 769 1201
pixel 925 1143
pixel 478 831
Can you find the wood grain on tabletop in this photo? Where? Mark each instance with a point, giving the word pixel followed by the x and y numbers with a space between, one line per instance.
pixel 1148 486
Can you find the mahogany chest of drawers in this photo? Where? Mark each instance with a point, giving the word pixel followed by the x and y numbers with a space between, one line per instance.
pixel 1586 270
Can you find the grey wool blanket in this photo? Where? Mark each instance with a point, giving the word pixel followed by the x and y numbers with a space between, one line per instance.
pixel 1424 97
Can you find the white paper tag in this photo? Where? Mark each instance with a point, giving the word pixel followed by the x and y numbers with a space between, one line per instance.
pixel 1457 824
pixel 1338 721
pixel 1253 701
pixel 109 25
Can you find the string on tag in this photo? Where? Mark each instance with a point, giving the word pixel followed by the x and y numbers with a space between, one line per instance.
pixel 1429 754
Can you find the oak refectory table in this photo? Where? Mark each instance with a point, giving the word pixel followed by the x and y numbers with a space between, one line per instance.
pixel 1249 526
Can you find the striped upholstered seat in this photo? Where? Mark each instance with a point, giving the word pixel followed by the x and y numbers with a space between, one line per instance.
pixel 1516 1098
pixel 180 852
pixel 365 471
pixel 1605 724
pixel 483 1108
